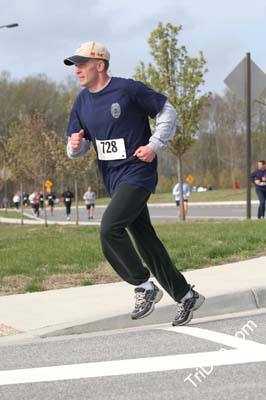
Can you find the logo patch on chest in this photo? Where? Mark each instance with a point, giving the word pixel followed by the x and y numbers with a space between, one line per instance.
pixel 116 110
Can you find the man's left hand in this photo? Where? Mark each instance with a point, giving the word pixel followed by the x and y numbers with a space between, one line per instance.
pixel 145 153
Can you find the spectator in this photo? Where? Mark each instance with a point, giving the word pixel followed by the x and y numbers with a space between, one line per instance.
pixel 186 194
pixel 258 177
pixel 89 198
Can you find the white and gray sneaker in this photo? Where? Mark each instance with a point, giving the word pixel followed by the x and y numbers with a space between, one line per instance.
pixel 184 312
pixel 145 300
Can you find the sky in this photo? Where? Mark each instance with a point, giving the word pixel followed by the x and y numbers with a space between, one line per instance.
pixel 51 30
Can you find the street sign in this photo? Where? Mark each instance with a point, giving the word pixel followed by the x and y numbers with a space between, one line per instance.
pixel 189 179
pixel 248 82
pixel 237 78
pixel 48 184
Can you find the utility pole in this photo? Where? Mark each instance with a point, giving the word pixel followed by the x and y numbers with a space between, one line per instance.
pixel 248 131
pixel 9 26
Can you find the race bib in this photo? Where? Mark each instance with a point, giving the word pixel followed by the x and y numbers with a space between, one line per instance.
pixel 111 149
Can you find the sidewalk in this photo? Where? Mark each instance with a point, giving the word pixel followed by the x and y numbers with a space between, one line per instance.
pixel 228 288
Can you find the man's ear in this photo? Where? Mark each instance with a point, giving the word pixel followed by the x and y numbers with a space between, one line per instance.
pixel 100 65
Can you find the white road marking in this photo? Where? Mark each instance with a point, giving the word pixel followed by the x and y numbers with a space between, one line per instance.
pixel 217 337
pixel 250 352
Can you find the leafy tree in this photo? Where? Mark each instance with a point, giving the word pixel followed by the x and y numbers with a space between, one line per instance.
pixel 32 95
pixel 80 169
pixel 179 76
pixel 31 149
pixel 8 109
pixel 28 148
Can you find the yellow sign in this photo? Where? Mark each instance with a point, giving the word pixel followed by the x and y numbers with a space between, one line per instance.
pixel 190 179
pixel 48 184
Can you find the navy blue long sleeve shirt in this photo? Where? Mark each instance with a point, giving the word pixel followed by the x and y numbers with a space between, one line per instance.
pixel 258 174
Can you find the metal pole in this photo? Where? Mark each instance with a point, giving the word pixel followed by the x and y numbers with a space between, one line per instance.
pixel 77 202
pixel 21 203
pixel 9 26
pixel 248 128
pixel 44 187
pixel 5 195
pixel 44 204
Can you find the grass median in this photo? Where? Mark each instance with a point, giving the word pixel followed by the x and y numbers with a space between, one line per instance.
pixel 34 258
pixel 13 214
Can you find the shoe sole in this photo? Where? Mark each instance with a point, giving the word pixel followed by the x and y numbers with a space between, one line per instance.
pixel 198 304
pixel 155 301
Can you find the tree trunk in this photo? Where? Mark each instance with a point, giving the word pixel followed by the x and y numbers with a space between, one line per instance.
pixel 44 204
pixel 182 216
pixel 218 160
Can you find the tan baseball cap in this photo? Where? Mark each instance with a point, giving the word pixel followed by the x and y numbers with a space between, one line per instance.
pixel 86 51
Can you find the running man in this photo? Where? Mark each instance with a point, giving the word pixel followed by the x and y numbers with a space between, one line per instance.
pixel 68 196
pixel 113 114
pixel 35 202
pixel 89 198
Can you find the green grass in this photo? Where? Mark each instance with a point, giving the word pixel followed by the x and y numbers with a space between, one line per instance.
pixel 33 254
pixel 195 245
pixel 209 196
pixel 36 249
pixel 34 287
pixel 13 214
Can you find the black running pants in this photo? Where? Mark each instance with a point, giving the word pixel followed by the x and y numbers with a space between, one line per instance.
pixel 128 211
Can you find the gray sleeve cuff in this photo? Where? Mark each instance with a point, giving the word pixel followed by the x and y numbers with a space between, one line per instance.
pixel 84 148
pixel 154 146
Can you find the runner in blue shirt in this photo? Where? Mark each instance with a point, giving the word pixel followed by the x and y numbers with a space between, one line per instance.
pixel 258 177
pixel 112 115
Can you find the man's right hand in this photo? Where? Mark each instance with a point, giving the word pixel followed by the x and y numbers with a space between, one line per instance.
pixel 76 139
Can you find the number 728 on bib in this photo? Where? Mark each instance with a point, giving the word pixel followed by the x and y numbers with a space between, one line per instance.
pixel 108 150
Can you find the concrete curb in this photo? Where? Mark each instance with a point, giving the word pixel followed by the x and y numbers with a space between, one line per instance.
pixel 213 306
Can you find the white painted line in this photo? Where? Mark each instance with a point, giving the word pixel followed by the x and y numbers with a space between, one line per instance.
pixel 217 337
pixel 246 352
pixel 132 366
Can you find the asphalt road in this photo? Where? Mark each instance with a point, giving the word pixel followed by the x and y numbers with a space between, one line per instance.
pixel 222 359
pixel 166 213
